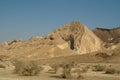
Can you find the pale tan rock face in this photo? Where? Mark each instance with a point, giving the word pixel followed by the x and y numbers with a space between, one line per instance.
pixel 63 46
pixel 88 42
pixel 70 39
pixel 80 38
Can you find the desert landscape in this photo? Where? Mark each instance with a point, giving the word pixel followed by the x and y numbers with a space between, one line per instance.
pixel 71 52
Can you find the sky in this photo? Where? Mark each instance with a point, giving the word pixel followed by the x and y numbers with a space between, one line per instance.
pixel 23 19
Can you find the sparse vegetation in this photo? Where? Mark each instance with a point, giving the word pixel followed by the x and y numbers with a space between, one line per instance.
pixel 26 68
pixel 99 67
pixel 85 69
pixel 55 67
pixel 2 66
pixel 68 71
pixel 112 71
pixel 102 54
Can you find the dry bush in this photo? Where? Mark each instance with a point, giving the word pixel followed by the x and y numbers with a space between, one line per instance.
pixel 99 67
pixel 26 68
pixel 69 71
pixel 76 73
pixel 62 65
pixel 102 54
pixel 55 67
pixel 85 69
pixel 2 66
pixel 112 71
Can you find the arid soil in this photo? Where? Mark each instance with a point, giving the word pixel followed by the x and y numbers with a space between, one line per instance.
pixel 89 75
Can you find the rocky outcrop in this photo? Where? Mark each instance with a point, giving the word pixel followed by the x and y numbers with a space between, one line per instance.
pixel 79 37
pixel 70 39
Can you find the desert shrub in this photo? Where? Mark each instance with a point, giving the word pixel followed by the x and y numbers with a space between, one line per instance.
pixel 85 69
pixel 70 72
pixel 55 67
pixel 67 71
pixel 102 54
pixel 110 71
pixel 2 66
pixel 18 65
pixel 99 67
pixel 26 68
pixel 76 73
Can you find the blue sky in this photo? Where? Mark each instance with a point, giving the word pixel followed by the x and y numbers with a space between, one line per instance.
pixel 22 19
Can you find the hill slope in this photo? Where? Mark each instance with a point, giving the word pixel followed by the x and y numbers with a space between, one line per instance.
pixel 70 39
pixel 108 35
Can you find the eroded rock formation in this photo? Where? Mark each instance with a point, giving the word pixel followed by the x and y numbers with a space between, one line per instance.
pixel 74 38
pixel 79 37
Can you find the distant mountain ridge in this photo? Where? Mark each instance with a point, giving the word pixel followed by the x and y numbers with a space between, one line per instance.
pixel 108 35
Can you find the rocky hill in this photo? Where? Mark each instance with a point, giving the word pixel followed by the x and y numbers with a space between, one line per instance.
pixel 79 37
pixel 70 39
pixel 108 35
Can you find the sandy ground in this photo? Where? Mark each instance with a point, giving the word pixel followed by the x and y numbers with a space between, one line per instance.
pixel 8 75
pixel 89 75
